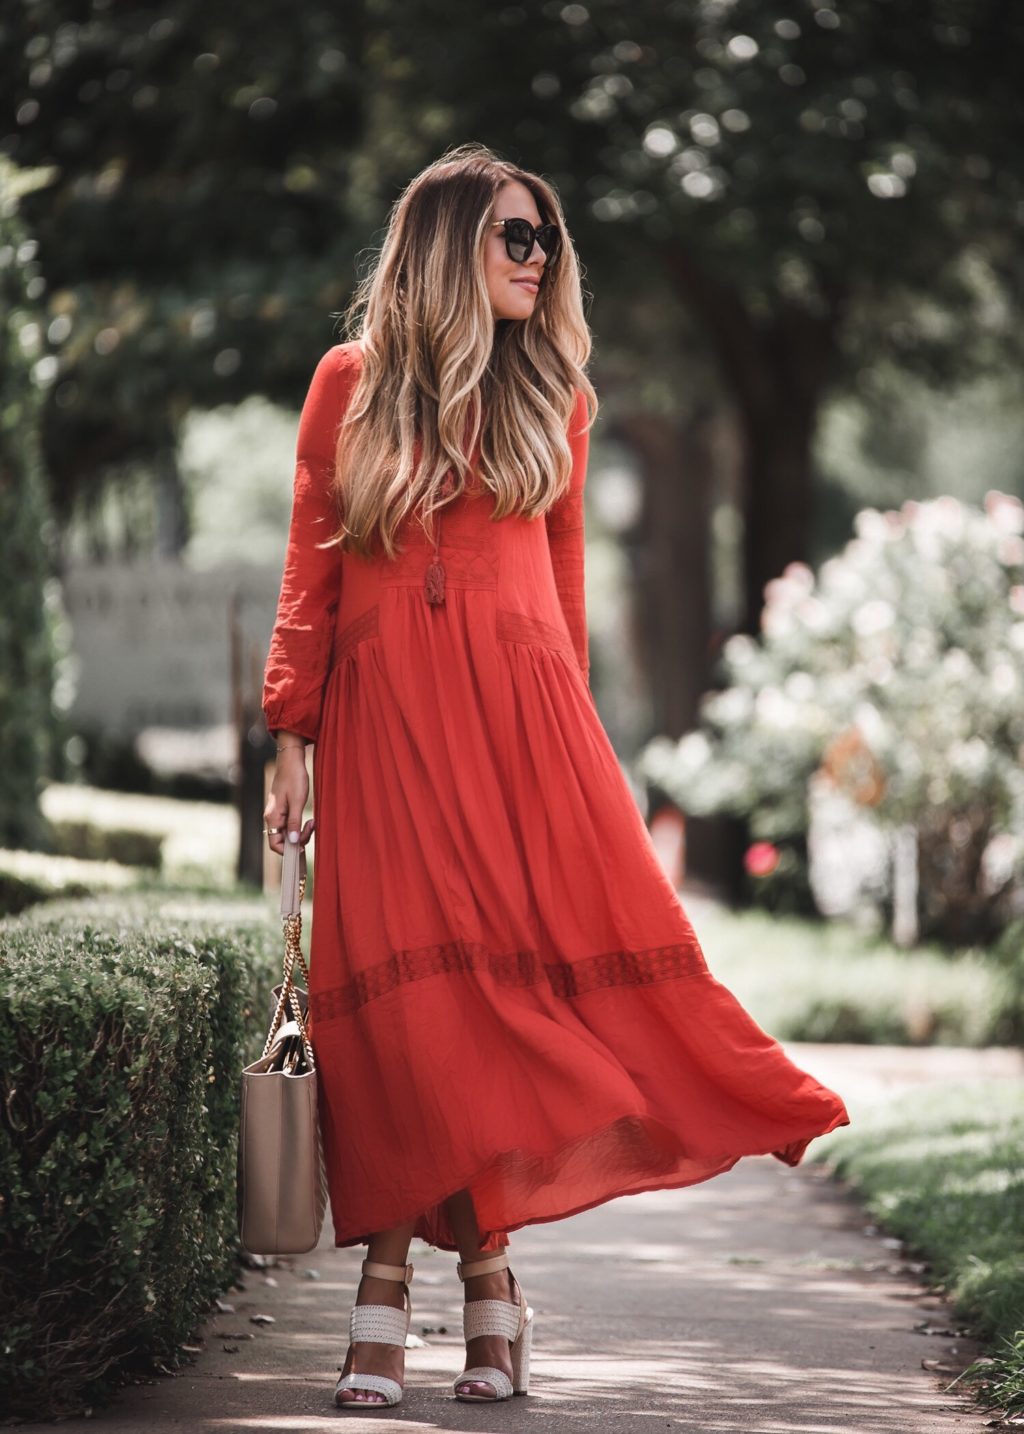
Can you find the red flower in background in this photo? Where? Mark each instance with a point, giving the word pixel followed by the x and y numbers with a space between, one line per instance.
pixel 761 858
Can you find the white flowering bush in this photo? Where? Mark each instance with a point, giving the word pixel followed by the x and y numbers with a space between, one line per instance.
pixel 898 673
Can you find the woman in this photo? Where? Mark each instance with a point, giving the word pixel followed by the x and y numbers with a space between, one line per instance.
pixel 512 1015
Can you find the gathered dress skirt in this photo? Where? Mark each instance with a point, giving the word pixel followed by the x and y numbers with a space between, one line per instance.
pixel 506 993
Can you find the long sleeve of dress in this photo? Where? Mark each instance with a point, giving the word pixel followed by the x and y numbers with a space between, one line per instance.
pixel 300 646
pixel 566 539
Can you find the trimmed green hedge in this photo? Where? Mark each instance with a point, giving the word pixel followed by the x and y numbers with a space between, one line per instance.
pixel 19 892
pixel 121 1041
pixel 89 841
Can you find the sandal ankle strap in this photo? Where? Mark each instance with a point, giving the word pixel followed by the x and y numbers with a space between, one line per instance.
pixel 483 1267
pixel 401 1274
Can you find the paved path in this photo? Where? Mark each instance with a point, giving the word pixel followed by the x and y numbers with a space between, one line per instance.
pixel 759 1302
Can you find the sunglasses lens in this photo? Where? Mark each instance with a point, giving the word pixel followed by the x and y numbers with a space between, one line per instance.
pixel 520 235
pixel 518 239
pixel 549 237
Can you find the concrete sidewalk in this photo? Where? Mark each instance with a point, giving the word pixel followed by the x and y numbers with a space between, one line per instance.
pixel 758 1301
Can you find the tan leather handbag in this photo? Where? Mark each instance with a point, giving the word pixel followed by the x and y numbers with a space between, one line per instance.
pixel 282 1181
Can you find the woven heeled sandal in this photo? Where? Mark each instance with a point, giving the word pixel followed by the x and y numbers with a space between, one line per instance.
pixel 515 1322
pixel 377 1324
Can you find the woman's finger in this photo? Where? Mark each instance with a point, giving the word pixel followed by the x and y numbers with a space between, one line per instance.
pixel 276 815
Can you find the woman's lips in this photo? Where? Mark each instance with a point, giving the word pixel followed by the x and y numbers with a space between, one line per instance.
pixel 530 285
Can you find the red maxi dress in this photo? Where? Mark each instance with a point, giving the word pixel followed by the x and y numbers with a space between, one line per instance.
pixel 506 993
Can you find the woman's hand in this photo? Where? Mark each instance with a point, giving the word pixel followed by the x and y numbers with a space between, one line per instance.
pixel 287 800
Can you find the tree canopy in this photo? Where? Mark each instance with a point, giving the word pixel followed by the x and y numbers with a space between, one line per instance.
pixel 817 182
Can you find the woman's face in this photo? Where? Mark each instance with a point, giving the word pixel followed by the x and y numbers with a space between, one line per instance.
pixel 512 286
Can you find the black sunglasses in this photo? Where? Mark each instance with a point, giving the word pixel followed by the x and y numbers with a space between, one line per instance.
pixel 520 236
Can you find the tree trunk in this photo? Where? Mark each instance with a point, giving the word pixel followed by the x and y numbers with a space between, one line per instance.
pixel 777 483
pixel 671 556
pixel 670 553
pixel 776 370
pixel 169 502
pixel 255 748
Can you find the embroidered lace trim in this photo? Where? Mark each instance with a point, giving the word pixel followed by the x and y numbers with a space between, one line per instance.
pixel 468 563
pixel 567 979
pixel 519 627
pixel 365 625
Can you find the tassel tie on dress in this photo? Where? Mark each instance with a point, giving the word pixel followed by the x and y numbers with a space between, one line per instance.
pixel 433 582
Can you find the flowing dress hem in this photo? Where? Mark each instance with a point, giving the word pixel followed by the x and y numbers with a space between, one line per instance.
pixel 431 1227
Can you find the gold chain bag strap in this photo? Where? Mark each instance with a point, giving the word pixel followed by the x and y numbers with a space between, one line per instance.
pixel 282 1183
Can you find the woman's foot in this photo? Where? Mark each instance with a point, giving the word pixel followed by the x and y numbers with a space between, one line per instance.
pixel 491 1350
pixel 366 1357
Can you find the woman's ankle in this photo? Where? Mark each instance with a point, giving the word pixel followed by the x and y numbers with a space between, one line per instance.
pixel 495 1286
pixel 374 1291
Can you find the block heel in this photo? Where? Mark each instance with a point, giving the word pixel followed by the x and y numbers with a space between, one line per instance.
pixel 521 1356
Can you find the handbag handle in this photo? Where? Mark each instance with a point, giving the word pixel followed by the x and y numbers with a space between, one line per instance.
pixel 293 872
pixel 293 886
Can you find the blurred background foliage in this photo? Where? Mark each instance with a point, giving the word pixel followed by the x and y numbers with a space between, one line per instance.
pixel 892 685
pixel 28 626
pixel 800 224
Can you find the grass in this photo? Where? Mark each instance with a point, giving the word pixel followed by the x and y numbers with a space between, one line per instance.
pixel 1000 1380
pixel 942 1167
pixel 825 981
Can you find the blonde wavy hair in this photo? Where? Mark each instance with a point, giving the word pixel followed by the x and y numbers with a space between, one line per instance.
pixel 439 371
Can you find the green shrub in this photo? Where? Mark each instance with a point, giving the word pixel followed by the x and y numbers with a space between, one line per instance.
pixel 1008 954
pixel 894 674
pixel 19 892
pixel 121 1042
pixel 29 877
pixel 89 841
